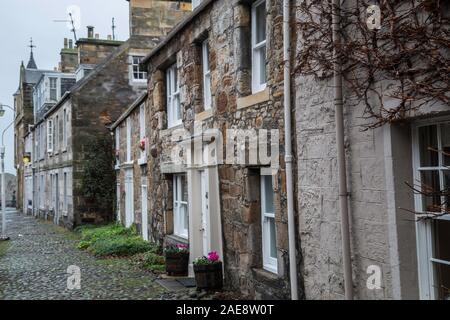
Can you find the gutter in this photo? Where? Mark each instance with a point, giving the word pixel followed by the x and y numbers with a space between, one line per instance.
pixel 339 117
pixel 288 149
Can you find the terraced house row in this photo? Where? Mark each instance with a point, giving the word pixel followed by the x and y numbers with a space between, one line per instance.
pixel 210 138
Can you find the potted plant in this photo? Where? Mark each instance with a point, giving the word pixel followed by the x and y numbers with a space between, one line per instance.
pixel 208 272
pixel 142 144
pixel 177 259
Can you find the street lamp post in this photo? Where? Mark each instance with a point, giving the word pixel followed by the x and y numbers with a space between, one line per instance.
pixel 3 236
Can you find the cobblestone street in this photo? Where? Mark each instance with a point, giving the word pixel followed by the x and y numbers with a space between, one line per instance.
pixel 33 265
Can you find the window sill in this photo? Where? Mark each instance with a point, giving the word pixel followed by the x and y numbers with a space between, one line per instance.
pixel 263 275
pixel 169 130
pixel 172 238
pixel 204 115
pixel 253 99
pixel 142 161
pixel 127 164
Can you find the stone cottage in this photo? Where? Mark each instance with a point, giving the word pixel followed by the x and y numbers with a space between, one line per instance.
pixel 393 255
pixel 213 123
pixel 74 137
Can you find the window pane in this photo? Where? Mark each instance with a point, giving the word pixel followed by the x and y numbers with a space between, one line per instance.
pixel 268 194
pixel 262 64
pixel 260 17
pixel 184 188
pixel 427 140
pixel 443 281
pixel 185 216
pixel 445 132
pixel 273 239
pixel 177 108
pixel 431 200
pixel 442 239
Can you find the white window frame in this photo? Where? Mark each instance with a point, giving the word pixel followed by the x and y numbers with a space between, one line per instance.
pixel 269 263
pixel 256 52
pixel 50 135
pixel 64 129
pixel 206 76
pixel 56 134
pixel 65 194
pixel 117 151
pixel 178 218
pixel 142 74
pixel 54 89
pixel 173 96
pixel 118 203
pixel 424 228
pixel 142 135
pixel 129 136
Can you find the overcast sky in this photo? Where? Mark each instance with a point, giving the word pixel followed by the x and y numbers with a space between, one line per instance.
pixel 22 19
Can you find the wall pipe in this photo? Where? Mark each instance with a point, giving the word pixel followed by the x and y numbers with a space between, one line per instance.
pixel 288 149
pixel 339 117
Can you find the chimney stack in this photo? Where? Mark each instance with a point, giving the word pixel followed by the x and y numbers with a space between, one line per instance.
pixel 90 32
pixel 66 43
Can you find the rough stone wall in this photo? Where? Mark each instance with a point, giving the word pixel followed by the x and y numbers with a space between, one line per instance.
pixel 155 18
pixel 226 25
pixel 378 164
pixel 69 60
pixel 139 169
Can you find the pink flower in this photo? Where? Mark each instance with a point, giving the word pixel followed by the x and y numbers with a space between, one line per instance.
pixel 213 256
pixel 142 143
pixel 181 246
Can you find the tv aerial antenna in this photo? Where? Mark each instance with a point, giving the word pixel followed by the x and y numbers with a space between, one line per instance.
pixel 73 25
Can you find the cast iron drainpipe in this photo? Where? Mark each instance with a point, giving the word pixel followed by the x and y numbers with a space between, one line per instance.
pixel 343 193
pixel 288 149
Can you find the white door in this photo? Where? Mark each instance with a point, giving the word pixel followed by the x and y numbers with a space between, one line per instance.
pixel 129 206
pixel 205 213
pixel 144 219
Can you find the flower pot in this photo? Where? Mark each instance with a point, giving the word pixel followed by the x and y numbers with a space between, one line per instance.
pixel 177 264
pixel 209 276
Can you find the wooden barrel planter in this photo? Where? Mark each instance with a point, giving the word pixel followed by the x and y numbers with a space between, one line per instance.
pixel 177 264
pixel 209 276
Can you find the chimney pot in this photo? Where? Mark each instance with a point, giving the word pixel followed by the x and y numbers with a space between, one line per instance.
pixel 97 36
pixel 70 44
pixel 66 41
pixel 109 37
pixel 90 32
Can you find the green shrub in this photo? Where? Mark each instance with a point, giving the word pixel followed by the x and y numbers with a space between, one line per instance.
pixel 113 240
pixel 154 262
pixel 119 246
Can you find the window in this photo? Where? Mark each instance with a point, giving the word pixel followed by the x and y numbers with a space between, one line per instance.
pixel 206 75
pixel 50 136
pixel 128 139
pixel 180 206
pixel 64 129
pixel 269 242
pixel 56 135
pixel 117 146
pixel 432 173
pixel 66 201
pixel 173 97
pixel 53 89
pixel 139 73
pixel 142 132
pixel 259 46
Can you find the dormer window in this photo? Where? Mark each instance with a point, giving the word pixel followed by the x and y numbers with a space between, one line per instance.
pixel 53 89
